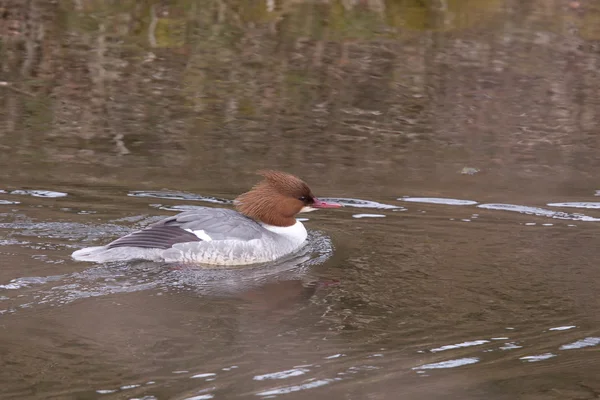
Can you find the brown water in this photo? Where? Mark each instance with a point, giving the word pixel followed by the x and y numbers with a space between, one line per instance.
pixel 125 112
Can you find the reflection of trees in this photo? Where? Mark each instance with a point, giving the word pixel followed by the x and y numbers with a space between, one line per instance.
pixel 489 85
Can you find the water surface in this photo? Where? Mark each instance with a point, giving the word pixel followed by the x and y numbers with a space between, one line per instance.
pixel 460 135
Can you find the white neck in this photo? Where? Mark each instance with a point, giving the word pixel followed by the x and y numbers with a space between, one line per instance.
pixel 296 233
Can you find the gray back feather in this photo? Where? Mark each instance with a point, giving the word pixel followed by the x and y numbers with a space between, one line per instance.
pixel 218 223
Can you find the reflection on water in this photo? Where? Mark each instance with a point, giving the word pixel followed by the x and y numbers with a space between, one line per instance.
pixel 461 136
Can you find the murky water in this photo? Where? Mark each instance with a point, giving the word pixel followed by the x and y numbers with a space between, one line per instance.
pixel 460 135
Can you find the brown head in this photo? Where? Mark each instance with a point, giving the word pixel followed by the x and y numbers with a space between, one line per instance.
pixel 278 198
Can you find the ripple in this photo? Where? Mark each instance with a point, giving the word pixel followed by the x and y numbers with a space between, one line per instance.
pixel 177 208
pixel 349 202
pixel 469 171
pixel 459 362
pixel 591 205
pixel 563 328
pixel 282 374
pixel 459 345
pixel 510 346
pixel 12 242
pixel 204 375
pixel 580 344
pixel 19 283
pixel 539 357
pixel 63 230
pixel 113 278
pixel 38 193
pixel 297 388
pixel 174 195
pixel 127 387
pixel 541 212
pixel 8 202
pixel 368 216
pixel 438 200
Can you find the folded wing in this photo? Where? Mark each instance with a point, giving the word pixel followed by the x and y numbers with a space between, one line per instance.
pixel 201 224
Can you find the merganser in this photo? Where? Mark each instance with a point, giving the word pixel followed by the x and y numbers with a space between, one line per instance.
pixel 263 228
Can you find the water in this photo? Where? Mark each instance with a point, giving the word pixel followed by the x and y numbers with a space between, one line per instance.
pixel 461 136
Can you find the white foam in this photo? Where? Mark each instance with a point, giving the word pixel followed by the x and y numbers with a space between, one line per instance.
pixel 12 286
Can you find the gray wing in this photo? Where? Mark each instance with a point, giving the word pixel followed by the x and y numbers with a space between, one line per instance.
pixel 217 223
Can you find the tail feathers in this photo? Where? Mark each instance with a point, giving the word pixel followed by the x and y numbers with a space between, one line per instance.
pixel 102 254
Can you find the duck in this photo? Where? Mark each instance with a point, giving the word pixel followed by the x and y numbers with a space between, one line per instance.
pixel 262 228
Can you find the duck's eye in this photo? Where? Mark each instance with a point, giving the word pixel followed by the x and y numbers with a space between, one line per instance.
pixel 302 198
